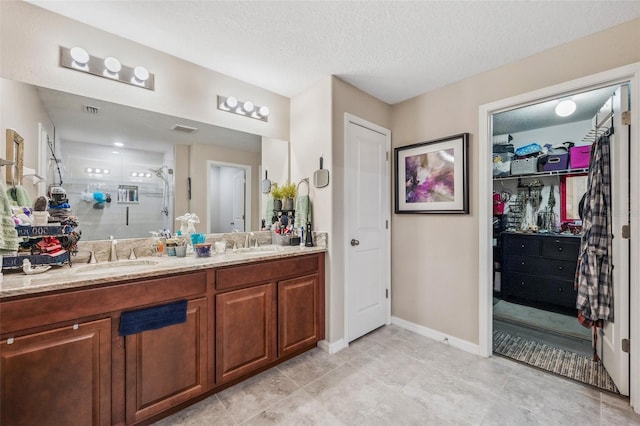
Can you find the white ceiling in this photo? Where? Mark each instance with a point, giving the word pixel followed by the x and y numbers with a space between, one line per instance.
pixel 393 50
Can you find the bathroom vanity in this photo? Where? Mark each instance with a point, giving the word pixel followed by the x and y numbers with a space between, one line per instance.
pixel 65 362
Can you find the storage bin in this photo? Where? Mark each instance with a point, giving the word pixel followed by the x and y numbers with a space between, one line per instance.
pixel 500 148
pixel 502 164
pixel 556 162
pixel 522 166
pixel 580 156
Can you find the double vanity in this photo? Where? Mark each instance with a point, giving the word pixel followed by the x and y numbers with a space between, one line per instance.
pixel 66 361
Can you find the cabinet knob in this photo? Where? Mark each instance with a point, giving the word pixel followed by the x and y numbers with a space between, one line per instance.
pixel 522 283
pixel 559 268
pixel 523 262
pixel 560 290
pixel 522 246
pixel 559 248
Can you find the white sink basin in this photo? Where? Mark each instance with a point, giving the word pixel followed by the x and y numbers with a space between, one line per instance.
pixel 119 266
pixel 259 250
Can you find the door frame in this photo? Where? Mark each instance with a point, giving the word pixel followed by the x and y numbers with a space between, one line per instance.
pixel 630 73
pixel 352 119
pixel 247 190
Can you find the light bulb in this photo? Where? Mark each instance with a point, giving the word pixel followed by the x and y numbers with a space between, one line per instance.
pixel 134 174
pixel 118 144
pixel 147 175
pixel 105 171
pixel 263 111
pixel 248 106
pixel 112 66
pixel 141 74
pixel 88 170
pixel 565 108
pixel 231 102
pixel 98 170
pixel 79 56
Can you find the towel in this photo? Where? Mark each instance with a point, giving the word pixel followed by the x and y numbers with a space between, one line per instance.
pixel 303 211
pixel 18 196
pixel 269 211
pixel 153 318
pixel 8 232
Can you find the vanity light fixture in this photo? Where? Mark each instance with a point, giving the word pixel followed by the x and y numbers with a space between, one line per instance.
pixel 118 144
pixel 244 108
pixel 97 171
pixel 565 108
pixel 79 59
pixel 141 174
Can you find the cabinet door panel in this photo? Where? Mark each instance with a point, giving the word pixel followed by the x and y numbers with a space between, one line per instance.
pixel 245 331
pixel 166 366
pixel 58 377
pixel 561 248
pixel 521 246
pixel 297 314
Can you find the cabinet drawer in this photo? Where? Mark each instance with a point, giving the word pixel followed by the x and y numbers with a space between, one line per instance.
pixel 540 266
pixel 560 248
pixel 521 246
pixel 540 289
pixel 243 275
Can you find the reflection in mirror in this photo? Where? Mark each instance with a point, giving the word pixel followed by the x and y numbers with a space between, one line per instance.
pixel 15 154
pixel 572 188
pixel 91 134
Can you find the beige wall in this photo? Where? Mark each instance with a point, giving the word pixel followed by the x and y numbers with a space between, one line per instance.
pixel 435 257
pixel 22 111
pixel 30 42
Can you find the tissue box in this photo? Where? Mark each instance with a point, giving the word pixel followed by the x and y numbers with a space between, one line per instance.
pixel 580 156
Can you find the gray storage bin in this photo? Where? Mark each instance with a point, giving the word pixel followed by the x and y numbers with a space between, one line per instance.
pixel 524 165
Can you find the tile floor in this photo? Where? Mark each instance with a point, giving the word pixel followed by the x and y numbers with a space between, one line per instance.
pixel 395 377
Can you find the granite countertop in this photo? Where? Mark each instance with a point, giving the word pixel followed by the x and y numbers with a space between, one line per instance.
pixel 84 275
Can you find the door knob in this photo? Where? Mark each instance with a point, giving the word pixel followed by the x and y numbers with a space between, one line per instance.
pixel 355 242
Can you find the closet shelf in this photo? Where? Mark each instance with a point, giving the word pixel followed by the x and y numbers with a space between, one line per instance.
pixel 543 174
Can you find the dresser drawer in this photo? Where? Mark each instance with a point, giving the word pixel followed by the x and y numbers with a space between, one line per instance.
pixel 541 266
pixel 521 246
pixel 561 248
pixel 540 289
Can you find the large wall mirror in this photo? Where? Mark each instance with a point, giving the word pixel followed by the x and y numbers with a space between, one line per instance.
pixel 125 169
pixel 572 188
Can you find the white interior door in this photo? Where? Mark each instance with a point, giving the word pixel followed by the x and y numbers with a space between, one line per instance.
pixel 238 196
pixel 615 360
pixel 367 227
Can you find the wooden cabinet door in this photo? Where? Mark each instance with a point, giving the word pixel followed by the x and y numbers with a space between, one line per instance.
pixel 58 377
pixel 167 366
pixel 297 314
pixel 245 331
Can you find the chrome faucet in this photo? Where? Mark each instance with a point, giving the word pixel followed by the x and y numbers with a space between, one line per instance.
pixel 92 257
pixel 113 255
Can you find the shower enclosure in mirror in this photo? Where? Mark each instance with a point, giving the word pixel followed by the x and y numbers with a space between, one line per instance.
pixel 85 134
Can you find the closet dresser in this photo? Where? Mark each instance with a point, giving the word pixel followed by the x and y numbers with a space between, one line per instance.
pixel 539 269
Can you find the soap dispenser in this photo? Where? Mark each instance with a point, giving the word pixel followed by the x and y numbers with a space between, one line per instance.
pixel 308 239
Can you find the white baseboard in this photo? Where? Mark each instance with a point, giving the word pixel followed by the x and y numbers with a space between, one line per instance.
pixel 436 335
pixel 332 347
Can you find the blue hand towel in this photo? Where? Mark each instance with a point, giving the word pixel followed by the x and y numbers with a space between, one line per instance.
pixel 153 318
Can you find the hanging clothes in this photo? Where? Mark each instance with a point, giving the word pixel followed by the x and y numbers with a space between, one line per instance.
pixel 593 273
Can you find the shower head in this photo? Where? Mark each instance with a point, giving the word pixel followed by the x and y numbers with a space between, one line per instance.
pixel 160 173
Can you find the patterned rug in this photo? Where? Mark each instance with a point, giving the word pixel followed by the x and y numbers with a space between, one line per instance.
pixel 555 360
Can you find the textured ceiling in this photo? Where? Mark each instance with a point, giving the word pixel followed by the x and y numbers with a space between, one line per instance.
pixel 393 50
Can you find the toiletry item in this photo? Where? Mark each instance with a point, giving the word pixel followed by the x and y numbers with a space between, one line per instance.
pixel 308 240
pixel 181 251
pixel 197 239
pixel 203 249
pixel 220 246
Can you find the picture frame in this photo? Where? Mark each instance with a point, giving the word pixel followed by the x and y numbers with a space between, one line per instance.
pixel 433 176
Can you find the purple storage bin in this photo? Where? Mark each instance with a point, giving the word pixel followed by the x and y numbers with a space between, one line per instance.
pixel 556 162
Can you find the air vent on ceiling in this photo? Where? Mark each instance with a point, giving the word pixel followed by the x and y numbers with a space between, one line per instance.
pixel 90 109
pixel 183 128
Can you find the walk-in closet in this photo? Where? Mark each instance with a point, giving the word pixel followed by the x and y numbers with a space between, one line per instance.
pixel 541 161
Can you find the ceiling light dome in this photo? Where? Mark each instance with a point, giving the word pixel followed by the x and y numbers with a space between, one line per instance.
pixel 565 108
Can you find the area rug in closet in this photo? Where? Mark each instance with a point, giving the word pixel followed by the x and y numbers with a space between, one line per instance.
pixel 555 360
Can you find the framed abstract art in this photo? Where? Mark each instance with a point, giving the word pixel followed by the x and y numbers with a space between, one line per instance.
pixel 433 176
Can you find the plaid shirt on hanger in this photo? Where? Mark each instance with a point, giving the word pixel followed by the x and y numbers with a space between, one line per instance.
pixel 593 273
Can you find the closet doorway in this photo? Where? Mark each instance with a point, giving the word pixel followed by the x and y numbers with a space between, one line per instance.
pixel 542 212
pixel 229 197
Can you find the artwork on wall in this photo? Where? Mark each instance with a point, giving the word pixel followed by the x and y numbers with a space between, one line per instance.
pixel 432 177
